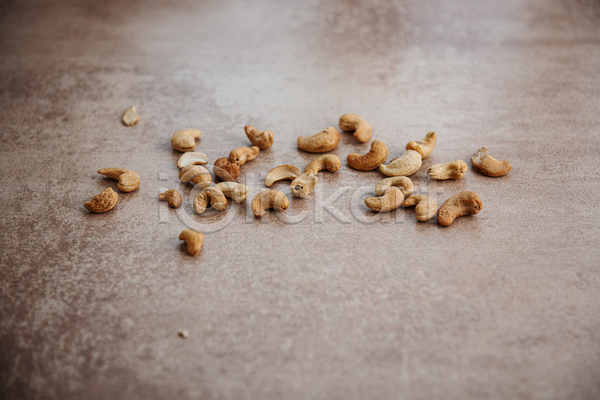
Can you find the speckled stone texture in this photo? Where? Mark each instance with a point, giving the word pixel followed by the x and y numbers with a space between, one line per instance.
pixel 328 300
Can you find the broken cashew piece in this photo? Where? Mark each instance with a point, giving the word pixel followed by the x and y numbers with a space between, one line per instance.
pixel 185 140
pixel 269 198
pixel 225 170
pixel 304 184
pixel 370 161
pixel 405 165
pixel 235 191
pixel 263 140
pixel 192 158
pixel 321 142
pixel 102 202
pixel 488 165
pixel 130 116
pixel 426 206
pixel 404 183
pixel 172 196
pixel 450 170
pixel 128 180
pixel 392 198
pixel 210 195
pixel 280 173
pixel 193 240
pixel 352 122
pixel 330 162
pixel 424 146
pixel 243 154
pixel 196 174
pixel 458 205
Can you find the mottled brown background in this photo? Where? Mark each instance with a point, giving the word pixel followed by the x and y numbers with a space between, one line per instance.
pixel 504 305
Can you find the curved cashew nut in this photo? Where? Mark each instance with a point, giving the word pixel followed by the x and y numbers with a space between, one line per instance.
pixel 321 142
pixel 280 173
pixel 329 161
pixel 352 122
pixel 102 202
pixel 263 140
pixel 192 158
pixel 128 180
pixel 185 140
pixel 130 116
pixel 225 170
pixel 404 183
pixel 391 199
pixel 488 165
pixel 424 146
pixel 172 196
pixel 450 170
pixel 198 175
pixel 212 195
pixel 370 161
pixel 304 184
pixel 193 239
pixel 426 207
pixel 235 191
pixel 458 205
pixel 405 165
pixel 269 199
pixel 243 154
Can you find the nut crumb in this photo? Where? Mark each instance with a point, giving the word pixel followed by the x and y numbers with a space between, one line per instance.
pixel 184 334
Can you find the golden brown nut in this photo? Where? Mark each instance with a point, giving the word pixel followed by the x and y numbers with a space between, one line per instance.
pixel 304 184
pixel 192 158
pixel 243 154
pixel 225 170
pixel 263 140
pixel 488 165
pixel 130 116
pixel 235 191
pixel 321 142
pixel 331 162
pixel 404 183
pixel 352 122
pixel 269 199
pixel 172 196
pixel 185 140
pixel 450 170
pixel 426 206
pixel 405 165
pixel 196 174
pixel 280 173
pixel 193 239
pixel 370 161
pixel 102 202
pixel 212 195
pixel 458 205
pixel 424 146
pixel 391 199
pixel 128 180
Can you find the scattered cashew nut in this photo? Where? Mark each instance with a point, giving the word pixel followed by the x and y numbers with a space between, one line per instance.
pixel 198 175
pixel 102 202
pixel 172 196
pixel 192 158
pixel 263 140
pixel 280 173
pixel 304 184
pixel 458 205
pixel 212 195
pixel 352 122
pixel 243 154
pixel 392 198
pixel 488 165
pixel 128 180
pixel 330 162
pixel 321 142
pixel 370 161
pixel 193 239
pixel 225 170
pixel 426 206
pixel 235 191
pixel 269 198
pixel 185 140
pixel 130 116
pixel 405 165
pixel 424 146
pixel 450 170
pixel 404 183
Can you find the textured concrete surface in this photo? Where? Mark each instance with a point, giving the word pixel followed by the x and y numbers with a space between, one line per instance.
pixel 327 301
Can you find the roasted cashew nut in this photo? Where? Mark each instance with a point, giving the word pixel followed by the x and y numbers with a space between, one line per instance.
pixel 458 205
pixel 450 170
pixel 102 202
pixel 235 191
pixel 130 117
pixel 280 173
pixel 426 207
pixel 424 146
pixel 330 162
pixel 193 240
pixel 404 183
pixel 172 196
pixel 321 142
pixel 192 158
pixel 304 184
pixel 405 165
pixel 488 165
pixel 263 140
pixel 225 170
pixel 370 161
pixel 269 199
pixel 391 199
pixel 243 154
pixel 196 174
pixel 128 180
pixel 212 195
pixel 352 122
pixel 185 140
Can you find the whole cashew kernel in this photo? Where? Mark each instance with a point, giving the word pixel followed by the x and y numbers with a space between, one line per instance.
pixel 128 180
pixel 102 202
pixel 172 196
pixel 225 170
pixel 392 198
pixel 212 195
pixel 263 140
pixel 405 165
pixel 488 165
pixel 198 175
pixel 235 191
pixel 458 205
pixel 404 183
pixel 370 161
pixel 450 170
pixel 193 240
pixel 321 142
pixel 243 154
pixel 269 199
pixel 192 158
pixel 330 162
pixel 130 116
pixel 280 173
pixel 304 184
pixel 352 122
pixel 185 140
pixel 424 146
pixel 426 207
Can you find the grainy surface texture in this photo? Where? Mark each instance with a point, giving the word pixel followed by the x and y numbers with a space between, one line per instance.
pixel 326 300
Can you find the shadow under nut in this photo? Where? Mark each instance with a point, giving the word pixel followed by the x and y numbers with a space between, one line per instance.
pixel 370 161
pixel 391 199
pixel 458 205
pixel 351 122
pixel 488 165
pixel 321 142
pixel 269 199
pixel 185 139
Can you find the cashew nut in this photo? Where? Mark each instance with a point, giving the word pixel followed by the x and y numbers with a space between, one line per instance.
pixel 426 206
pixel 370 161
pixel 226 171
pixel 392 198
pixel 321 142
pixel 185 140
pixel 263 140
pixel 243 154
pixel 404 183
pixel 193 239
pixel 102 202
pixel 304 184
pixel 424 146
pixel 280 173
pixel 192 158
pixel 212 195
pixel 488 165
pixel 458 205
pixel 128 180
pixel 450 170
pixel 269 199
pixel 235 191
pixel 329 161
pixel 198 175
pixel 405 165
pixel 172 196
pixel 130 116
pixel 352 122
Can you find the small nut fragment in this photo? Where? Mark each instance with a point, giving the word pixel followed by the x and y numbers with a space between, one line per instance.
pixel 450 170
pixel 458 205
pixel 212 195
pixel 370 161
pixel 321 142
pixel 392 198
pixel 352 122
pixel 488 165
pixel 280 173
pixel 304 184
pixel 426 206
pixel 225 170
pixel 192 158
pixel 193 239
pixel 405 165
pixel 269 198
pixel 424 146
pixel 183 334
pixel 330 162
pixel 128 180
pixel 235 191
pixel 198 175
pixel 102 202
pixel 172 196
pixel 185 140
pixel 243 154
pixel 263 140
pixel 404 183
pixel 130 116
